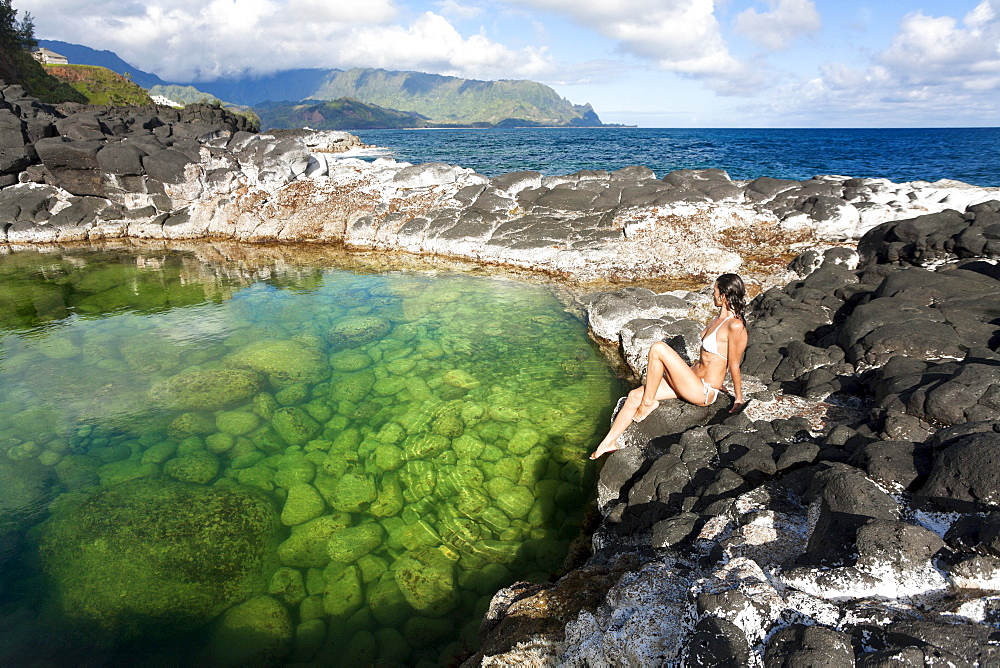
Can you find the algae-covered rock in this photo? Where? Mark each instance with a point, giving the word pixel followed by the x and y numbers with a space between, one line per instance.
pixel 417 478
pixel 208 390
pixel 293 395
pixel 461 378
pixel 306 547
pixel 284 362
pixel 388 457
pixel 191 424
pixel 352 387
pixel 387 603
pixel 516 502
pixel 352 493
pixel 198 467
pixel 389 386
pixel 287 584
pixel 77 471
pixel 390 499
pixel 236 423
pixel 304 503
pixel 157 557
pixel 294 425
pixel 351 359
pixel 258 632
pixel 122 471
pixel 348 545
pixel 467 446
pixel 523 440
pixel 293 470
pixel 425 446
pixel 344 593
pixel 354 331
pixel 219 442
pixel 427 579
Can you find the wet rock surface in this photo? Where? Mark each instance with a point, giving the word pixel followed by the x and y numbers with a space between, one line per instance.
pixel 824 536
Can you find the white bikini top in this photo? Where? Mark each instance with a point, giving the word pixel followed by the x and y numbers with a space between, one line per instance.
pixel 710 343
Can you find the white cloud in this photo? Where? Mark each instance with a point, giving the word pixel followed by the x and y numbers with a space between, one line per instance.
pixel 783 23
pixel 432 43
pixel 935 71
pixel 191 40
pixel 682 36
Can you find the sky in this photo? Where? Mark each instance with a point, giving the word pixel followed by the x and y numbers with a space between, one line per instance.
pixel 651 63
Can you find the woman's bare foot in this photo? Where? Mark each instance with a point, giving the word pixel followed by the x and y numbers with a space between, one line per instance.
pixel 643 412
pixel 604 449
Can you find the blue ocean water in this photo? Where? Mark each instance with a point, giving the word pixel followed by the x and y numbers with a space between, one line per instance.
pixel 966 154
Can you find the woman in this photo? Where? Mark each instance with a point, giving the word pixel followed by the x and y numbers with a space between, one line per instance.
pixel 669 377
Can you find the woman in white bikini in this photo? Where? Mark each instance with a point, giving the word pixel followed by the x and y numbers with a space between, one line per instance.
pixel 669 377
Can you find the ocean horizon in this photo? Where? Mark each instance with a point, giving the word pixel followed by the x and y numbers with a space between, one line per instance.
pixel 970 154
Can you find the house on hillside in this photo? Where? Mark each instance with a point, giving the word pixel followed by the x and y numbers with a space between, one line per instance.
pixel 47 57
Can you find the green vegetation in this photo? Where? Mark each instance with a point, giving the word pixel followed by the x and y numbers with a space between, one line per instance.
pixel 453 101
pixel 342 114
pixel 100 85
pixel 18 67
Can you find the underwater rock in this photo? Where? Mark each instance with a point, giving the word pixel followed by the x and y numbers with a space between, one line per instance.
pixel 343 594
pixel 294 425
pixel 284 362
pixel 307 546
pixel 287 584
pixel 351 359
pixel 352 493
pixel 258 632
pixel 237 423
pixel 304 503
pixel 427 579
pixel 356 330
pixel 209 390
pixel 348 545
pixel 197 467
pixel 157 557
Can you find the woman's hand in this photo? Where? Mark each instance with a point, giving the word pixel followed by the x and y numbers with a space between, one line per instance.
pixel 738 407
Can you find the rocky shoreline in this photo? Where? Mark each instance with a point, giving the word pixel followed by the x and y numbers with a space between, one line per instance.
pixel 849 515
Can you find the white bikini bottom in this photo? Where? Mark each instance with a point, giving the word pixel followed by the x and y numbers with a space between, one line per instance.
pixel 711 393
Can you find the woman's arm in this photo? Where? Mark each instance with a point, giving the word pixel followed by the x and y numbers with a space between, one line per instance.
pixel 736 346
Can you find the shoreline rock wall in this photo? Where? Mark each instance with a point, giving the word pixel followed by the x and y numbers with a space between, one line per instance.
pixel 860 534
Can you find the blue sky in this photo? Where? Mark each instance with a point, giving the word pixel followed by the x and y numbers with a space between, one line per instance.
pixel 653 63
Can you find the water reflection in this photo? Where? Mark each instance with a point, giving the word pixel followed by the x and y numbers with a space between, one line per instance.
pixel 281 461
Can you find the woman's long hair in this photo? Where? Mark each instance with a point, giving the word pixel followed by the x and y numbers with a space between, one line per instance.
pixel 734 292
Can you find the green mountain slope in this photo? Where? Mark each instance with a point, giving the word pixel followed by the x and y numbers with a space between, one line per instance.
pixel 450 100
pixel 341 114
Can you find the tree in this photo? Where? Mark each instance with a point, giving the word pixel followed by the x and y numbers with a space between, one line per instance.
pixel 15 34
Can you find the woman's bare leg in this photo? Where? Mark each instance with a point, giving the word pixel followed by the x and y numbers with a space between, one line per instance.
pixel 620 424
pixel 625 417
pixel 665 363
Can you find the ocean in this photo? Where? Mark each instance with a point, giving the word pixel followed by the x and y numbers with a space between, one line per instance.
pixel 965 154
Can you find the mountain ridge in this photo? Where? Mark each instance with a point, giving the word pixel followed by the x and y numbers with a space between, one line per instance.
pixel 442 100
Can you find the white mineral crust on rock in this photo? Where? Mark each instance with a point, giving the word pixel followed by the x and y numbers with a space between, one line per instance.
pixel 644 621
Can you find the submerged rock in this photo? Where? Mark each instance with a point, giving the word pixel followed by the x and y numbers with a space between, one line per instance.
pixel 206 390
pixel 284 362
pixel 157 558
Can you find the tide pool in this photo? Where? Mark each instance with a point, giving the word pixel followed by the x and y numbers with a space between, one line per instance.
pixel 292 464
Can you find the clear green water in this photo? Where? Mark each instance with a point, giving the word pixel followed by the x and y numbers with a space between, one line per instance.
pixel 355 461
